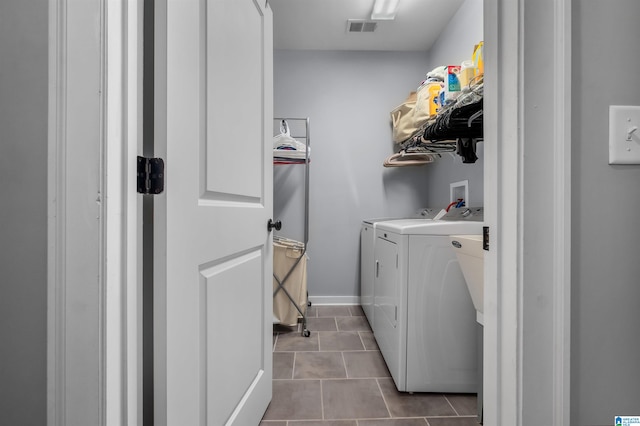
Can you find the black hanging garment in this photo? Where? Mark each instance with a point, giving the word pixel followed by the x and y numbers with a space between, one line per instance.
pixel 466 148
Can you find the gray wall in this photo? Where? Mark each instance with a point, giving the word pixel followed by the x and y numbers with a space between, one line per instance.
pixel 455 45
pixel 605 271
pixel 23 214
pixel 348 96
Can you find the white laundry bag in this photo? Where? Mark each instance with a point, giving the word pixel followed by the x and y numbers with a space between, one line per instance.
pixel 285 255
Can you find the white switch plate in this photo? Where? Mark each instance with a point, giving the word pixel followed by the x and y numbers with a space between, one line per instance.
pixel 624 141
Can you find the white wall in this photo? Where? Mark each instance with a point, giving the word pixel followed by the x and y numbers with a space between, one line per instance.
pixel 23 214
pixel 348 96
pixel 606 200
pixel 455 45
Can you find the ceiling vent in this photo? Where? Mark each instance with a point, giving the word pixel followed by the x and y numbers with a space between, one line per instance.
pixel 361 26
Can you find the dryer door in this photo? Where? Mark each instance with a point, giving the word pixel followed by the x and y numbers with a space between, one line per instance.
pixel 386 300
pixel 367 270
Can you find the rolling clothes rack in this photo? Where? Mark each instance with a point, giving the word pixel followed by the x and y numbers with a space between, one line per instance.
pixel 290 257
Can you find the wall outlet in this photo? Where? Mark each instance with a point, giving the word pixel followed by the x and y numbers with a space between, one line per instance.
pixel 624 134
pixel 459 190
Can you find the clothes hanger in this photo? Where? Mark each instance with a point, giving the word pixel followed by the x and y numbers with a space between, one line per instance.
pixel 404 159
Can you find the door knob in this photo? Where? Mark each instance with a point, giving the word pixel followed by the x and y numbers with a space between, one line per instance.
pixel 271 224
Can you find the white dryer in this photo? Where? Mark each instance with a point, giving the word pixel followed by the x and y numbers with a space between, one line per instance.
pixel 367 242
pixel 424 319
pixel 367 260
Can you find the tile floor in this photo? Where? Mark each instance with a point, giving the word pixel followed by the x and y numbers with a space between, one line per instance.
pixel 337 377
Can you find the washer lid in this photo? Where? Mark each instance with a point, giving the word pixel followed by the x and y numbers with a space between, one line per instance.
pixel 380 219
pixel 423 213
pixel 430 227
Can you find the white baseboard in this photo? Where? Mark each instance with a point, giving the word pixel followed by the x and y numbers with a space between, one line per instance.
pixel 334 300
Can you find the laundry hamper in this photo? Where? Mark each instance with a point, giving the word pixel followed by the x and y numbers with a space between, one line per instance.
pixel 289 281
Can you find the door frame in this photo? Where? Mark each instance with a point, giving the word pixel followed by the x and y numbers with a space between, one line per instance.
pixel 117 324
pixel 94 376
pixel 508 170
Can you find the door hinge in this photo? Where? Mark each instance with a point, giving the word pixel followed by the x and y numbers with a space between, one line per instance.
pixel 485 238
pixel 150 175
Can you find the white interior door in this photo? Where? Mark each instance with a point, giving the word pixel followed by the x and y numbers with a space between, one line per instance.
pixel 213 255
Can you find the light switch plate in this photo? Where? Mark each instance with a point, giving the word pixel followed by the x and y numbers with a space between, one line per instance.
pixel 624 141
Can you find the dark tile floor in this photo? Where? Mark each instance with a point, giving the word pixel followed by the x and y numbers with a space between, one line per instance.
pixel 337 377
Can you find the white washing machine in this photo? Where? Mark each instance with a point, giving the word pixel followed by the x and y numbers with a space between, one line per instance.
pixel 367 260
pixel 424 319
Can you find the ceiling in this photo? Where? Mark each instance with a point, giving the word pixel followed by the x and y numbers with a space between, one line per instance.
pixel 322 24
